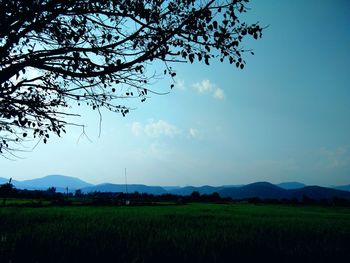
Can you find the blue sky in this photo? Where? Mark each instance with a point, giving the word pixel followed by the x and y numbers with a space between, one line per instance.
pixel 285 117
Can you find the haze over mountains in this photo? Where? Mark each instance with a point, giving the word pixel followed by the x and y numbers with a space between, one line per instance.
pixel 264 190
pixel 61 182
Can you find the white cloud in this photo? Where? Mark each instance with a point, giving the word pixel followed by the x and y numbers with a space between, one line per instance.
pixel 219 94
pixel 155 129
pixel 193 133
pixel 207 87
pixel 180 84
pixel 335 158
pixel 159 128
pixel 136 128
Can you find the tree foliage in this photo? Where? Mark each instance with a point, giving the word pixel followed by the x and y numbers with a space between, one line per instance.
pixel 55 52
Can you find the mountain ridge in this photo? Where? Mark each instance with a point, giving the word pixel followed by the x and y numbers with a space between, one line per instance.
pixel 263 190
pixel 291 185
pixel 108 187
pixel 42 183
pixel 266 190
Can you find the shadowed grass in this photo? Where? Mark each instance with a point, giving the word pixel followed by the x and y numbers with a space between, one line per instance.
pixel 195 233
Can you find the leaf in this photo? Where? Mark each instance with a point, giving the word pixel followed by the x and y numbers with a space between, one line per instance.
pixel 191 58
pixel 206 60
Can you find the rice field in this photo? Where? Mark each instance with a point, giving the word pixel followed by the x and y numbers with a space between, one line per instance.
pixel 175 233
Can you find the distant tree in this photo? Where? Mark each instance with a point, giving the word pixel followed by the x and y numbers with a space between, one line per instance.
pixel 78 193
pixel 51 190
pixel 56 52
pixel 195 196
pixel 215 196
pixel 6 190
pixel 305 199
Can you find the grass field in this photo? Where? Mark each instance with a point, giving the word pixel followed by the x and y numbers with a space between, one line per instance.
pixel 174 233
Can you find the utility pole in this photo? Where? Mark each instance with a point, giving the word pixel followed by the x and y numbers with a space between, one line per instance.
pixel 127 202
pixel 126 182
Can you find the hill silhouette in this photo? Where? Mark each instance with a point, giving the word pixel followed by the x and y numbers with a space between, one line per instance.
pixel 291 185
pixel 58 181
pixel 343 187
pixel 187 190
pixel 318 193
pixel 107 187
pixel 263 190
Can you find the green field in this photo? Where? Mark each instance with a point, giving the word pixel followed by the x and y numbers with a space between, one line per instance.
pixel 174 233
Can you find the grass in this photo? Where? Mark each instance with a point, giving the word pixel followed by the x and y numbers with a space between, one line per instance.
pixel 24 201
pixel 184 233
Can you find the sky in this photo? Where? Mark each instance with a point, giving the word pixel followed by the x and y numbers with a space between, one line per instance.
pixel 285 117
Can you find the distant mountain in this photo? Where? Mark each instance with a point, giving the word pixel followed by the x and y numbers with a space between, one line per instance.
pixel 169 188
pixel 58 181
pixel 318 193
pixel 156 190
pixel 205 189
pixel 291 185
pixel 4 180
pixel 265 190
pixel 232 185
pixel 262 190
pixel 343 187
pixel 187 190
pixel 17 184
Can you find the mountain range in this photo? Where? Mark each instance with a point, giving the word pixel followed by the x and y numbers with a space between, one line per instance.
pixel 264 190
pixel 61 182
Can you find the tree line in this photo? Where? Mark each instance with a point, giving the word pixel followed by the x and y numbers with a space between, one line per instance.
pixel 51 197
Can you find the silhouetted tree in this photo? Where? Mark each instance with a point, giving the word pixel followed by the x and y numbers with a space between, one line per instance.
pixel 78 193
pixel 195 196
pixel 51 190
pixel 6 190
pixel 55 52
pixel 215 197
